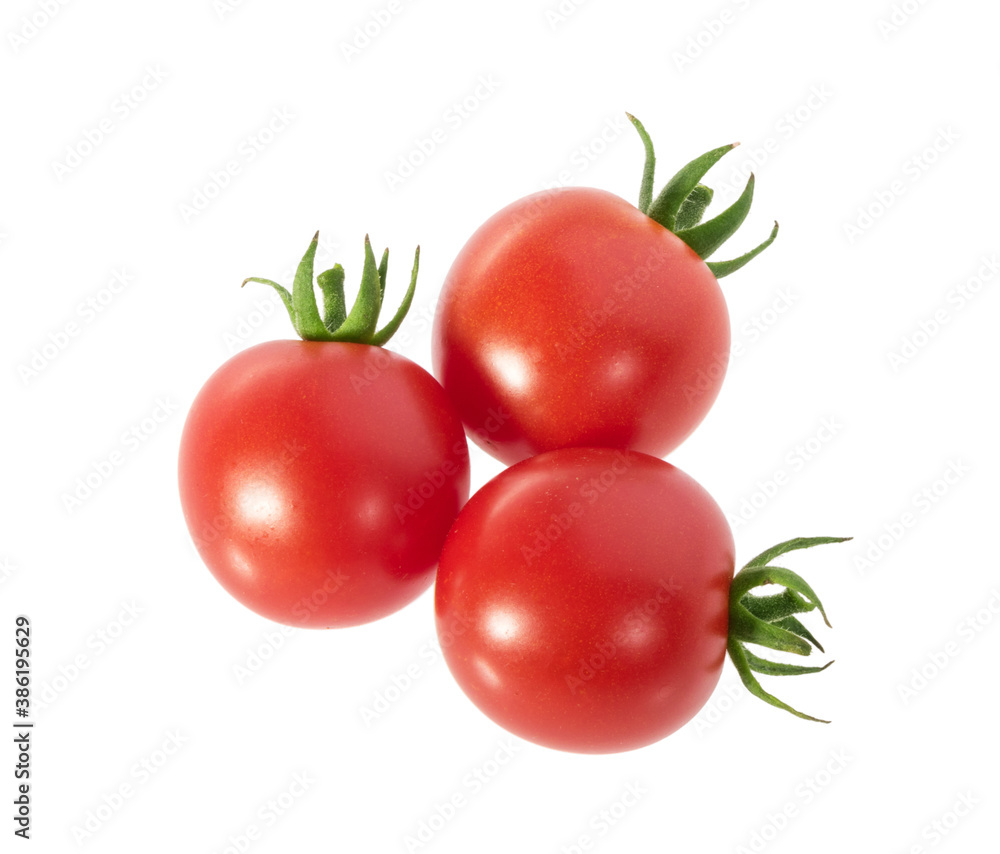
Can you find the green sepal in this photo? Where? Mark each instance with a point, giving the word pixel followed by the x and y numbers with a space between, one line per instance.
pixel 794 625
pixel 766 556
pixel 383 271
pixel 359 326
pixel 709 236
pixel 307 321
pixel 724 268
pixel 779 668
pixel 387 331
pixel 738 653
pixel 360 323
pixel 648 168
pixel 750 629
pixel 283 292
pixel 770 621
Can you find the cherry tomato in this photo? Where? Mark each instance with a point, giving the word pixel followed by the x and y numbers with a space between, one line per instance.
pixel 574 318
pixel 319 477
pixel 582 599
pixel 313 502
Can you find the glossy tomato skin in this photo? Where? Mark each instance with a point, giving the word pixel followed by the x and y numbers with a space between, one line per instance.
pixel 319 480
pixel 570 318
pixel 581 599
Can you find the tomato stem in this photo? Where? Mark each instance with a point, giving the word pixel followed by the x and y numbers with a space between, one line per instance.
pixel 693 207
pixel 668 203
pixel 336 324
pixel 681 203
pixel 770 621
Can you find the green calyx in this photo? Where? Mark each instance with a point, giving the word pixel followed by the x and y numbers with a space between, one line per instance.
pixel 335 324
pixel 681 204
pixel 770 621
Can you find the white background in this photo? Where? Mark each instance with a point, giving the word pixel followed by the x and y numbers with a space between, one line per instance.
pixel 876 150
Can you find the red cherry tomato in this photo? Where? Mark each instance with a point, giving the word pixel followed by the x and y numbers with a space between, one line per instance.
pixel 582 599
pixel 319 480
pixel 574 319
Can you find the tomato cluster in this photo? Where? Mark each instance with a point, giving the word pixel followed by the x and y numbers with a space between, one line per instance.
pixel 324 480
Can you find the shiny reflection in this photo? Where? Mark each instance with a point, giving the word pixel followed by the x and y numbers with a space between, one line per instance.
pixel 518 493
pixel 238 561
pixel 502 625
pixel 370 510
pixel 637 634
pixel 512 366
pixel 486 673
pixel 261 502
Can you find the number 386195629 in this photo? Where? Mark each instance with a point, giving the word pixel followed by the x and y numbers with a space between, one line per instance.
pixel 22 666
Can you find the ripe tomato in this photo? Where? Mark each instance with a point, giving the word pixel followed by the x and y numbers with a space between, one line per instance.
pixel 574 318
pixel 319 478
pixel 582 599
pixel 587 323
